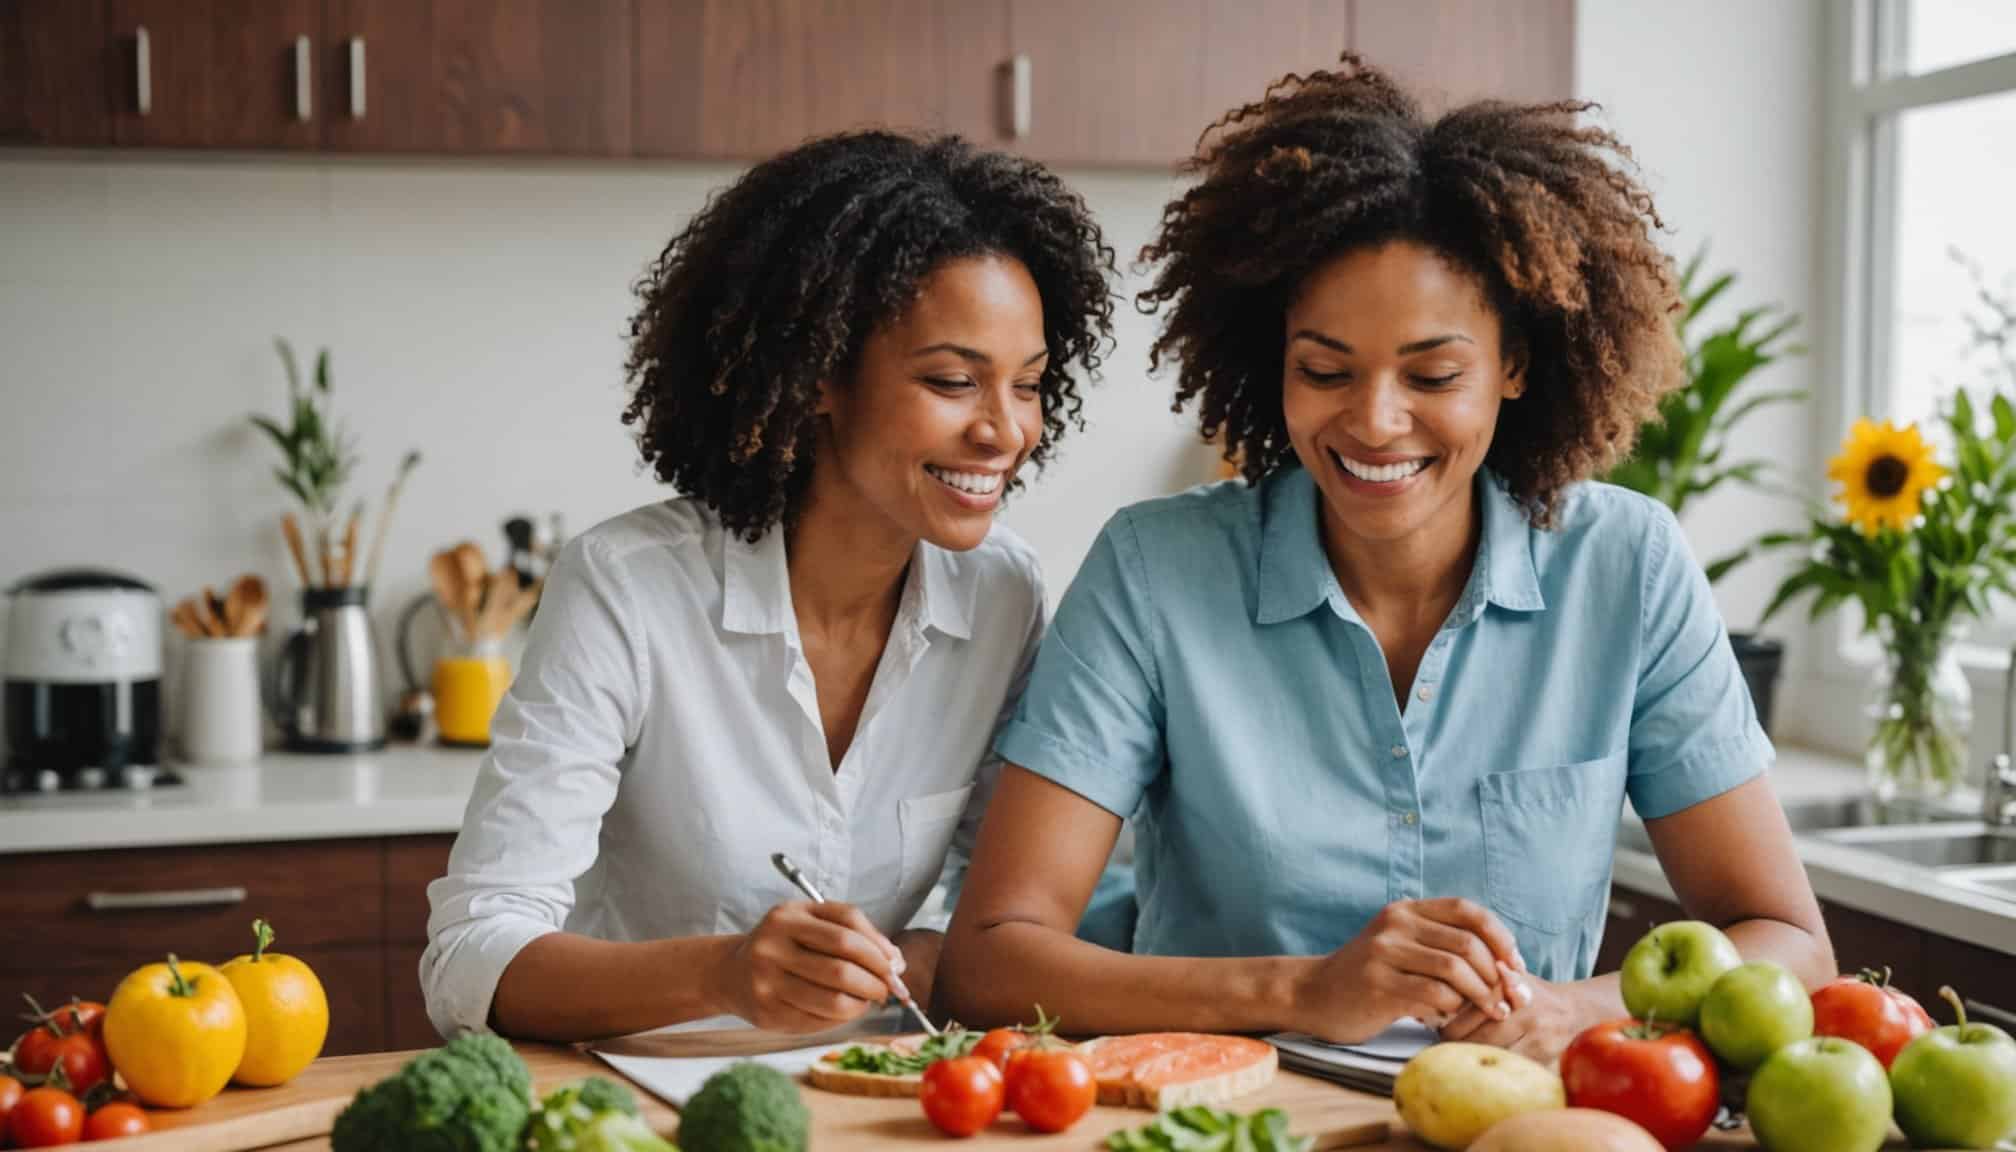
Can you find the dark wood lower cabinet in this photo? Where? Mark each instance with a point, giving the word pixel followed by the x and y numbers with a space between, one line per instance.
pixel 354 910
pixel 1920 962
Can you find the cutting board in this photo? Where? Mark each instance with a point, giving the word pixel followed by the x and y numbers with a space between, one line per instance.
pixel 306 1107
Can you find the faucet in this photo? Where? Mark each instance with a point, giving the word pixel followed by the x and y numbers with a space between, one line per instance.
pixel 1998 791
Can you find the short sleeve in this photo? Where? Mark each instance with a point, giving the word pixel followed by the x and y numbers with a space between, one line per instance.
pixel 1694 731
pixel 1091 719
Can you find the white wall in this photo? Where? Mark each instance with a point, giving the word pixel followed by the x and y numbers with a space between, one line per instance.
pixel 476 311
pixel 1721 102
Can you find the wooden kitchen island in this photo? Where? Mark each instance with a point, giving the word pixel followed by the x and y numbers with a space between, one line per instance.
pixel 296 1116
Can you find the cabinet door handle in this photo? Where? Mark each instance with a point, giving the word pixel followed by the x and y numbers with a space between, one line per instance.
pixel 179 898
pixel 1990 1013
pixel 1021 94
pixel 303 79
pixel 356 77
pixel 1623 909
pixel 143 72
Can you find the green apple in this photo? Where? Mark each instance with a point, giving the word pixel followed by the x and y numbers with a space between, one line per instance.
pixel 1754 1010
pixel 1820 1094
pixel 1956 1086
pixel 1668 972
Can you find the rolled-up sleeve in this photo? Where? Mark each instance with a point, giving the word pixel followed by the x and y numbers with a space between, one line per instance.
pixel 1694 730
pixel 551 774
pixel 1091 718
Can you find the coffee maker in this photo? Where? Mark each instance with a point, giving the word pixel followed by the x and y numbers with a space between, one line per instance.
pixel 83 682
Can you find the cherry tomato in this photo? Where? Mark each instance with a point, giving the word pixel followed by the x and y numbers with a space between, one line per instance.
pixel 1866 1010
pixel 35 1050
pixel 10 1094
pixel 1050 1087
pixel 81 1016
pixel 961 1095
pixel 83 1058
pixel 1663 1079
pixel 112 1121
pixel 44 1118
pixel 998 1043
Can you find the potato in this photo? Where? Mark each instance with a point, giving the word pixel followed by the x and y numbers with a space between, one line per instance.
pixel 1568 1130
pixel 1449 1094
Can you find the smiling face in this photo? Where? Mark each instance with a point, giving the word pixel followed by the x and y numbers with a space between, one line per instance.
pixel 1392 379
pixel 944 407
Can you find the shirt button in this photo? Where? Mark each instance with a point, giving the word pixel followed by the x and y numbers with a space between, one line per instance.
pixel 1425 692
pixel 1408 818
pixel 1399 751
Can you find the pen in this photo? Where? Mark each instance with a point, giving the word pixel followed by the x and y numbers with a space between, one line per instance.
pixel 797 878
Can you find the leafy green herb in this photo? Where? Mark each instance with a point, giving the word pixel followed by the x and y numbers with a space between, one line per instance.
pixel 883 1061
pixel 1201 1129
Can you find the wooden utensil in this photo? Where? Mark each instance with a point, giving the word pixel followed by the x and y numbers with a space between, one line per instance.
pixel 245 606
pixel 291 529
pixel 327 555
pixel 348 568
pixel 500 594
pixel 446 576
pixel 406 467
pixel 185 618
pixel 206 614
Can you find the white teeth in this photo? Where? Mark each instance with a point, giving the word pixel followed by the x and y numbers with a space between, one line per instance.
pixel 976 483
pixel 1379 473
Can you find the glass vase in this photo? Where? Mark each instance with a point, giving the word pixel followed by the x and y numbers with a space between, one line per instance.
pixel 1922 712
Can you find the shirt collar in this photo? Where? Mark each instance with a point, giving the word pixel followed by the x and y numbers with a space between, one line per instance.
pixel 1295 576
pixel 756 589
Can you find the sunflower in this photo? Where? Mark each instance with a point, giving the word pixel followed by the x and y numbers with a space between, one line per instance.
pixel 1884 472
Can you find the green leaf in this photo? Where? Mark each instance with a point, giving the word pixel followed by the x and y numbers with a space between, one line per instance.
pixel 287 361
pixel 1726 564
pixel 2005 418
pixel 322 371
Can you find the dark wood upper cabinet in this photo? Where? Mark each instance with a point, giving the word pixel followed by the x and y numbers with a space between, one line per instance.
pixel 378 80
pixel 1247 47
pixel 1112 83
pixel 216 73
pixel 543 76
pixel 1454 51
pixel 53 60
pixel 743 79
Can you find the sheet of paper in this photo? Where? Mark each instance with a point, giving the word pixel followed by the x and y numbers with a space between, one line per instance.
pixel 674 1079
pixel 1370 1065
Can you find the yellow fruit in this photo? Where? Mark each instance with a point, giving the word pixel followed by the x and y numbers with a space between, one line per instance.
pixel 1569 1130
pixel 1450 1094
pixel 286 1012
pixel 175 1031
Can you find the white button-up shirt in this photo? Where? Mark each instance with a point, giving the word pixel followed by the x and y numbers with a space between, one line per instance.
pixel 662 738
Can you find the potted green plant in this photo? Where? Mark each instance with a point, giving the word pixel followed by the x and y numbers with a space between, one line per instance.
pixel 1683 453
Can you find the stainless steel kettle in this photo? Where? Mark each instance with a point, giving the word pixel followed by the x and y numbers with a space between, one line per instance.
pixel 325 687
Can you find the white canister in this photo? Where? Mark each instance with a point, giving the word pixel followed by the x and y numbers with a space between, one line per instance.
pixel 222 720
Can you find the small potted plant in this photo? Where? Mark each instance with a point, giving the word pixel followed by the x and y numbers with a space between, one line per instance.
pixel 1683 454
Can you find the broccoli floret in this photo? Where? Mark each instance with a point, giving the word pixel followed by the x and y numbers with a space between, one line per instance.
pixel 745 1107
pixel 595 1115
pixel 471 1095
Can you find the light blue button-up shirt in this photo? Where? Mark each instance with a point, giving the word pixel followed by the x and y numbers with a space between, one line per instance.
pixel 1206 669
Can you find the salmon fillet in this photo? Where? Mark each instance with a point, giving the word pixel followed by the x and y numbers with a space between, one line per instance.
pixel 1163 1070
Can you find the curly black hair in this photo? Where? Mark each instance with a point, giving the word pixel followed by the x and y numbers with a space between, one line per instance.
pixel 776 283
pixel 1544 211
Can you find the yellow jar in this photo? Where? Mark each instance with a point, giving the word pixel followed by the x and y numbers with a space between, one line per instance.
pixel 466 693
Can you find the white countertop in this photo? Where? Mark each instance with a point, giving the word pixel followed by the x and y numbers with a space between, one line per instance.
pixel 404 790
pixel 1861 880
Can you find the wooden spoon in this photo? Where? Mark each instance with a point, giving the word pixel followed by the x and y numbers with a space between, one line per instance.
pixel 185 619
pixel 446 575
pixel 205 615
pixel 245 606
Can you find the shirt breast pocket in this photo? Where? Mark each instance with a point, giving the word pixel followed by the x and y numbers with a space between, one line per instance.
pixel 927 824
pixel 1549 835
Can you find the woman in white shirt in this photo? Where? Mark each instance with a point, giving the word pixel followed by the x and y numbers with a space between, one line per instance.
pixel 841 363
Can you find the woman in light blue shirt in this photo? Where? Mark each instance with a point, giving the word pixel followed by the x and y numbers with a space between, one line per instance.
pixel 1380 707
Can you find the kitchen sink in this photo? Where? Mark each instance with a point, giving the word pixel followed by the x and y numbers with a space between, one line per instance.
pixel 1961 846
pixel 1810 817
pixel 2001 884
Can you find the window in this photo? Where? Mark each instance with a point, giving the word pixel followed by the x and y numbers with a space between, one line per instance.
pixel 1920 214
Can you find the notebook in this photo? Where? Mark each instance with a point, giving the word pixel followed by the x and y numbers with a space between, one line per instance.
pixel 1369 1066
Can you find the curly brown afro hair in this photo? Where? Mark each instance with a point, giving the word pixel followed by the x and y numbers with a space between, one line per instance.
pixel 776 283
pixel 1545 212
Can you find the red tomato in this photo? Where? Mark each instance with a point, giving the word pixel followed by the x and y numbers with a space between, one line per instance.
pixel 998 1043
pixel 112 1121
pixel 1866 1010
pixel 10 1094
pixel 1050 1088
pixel 1661 1079
pixel 35 1052
pixel 81 1054
pixel 81 1016
pixel 961 1095
pixel 44 1118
